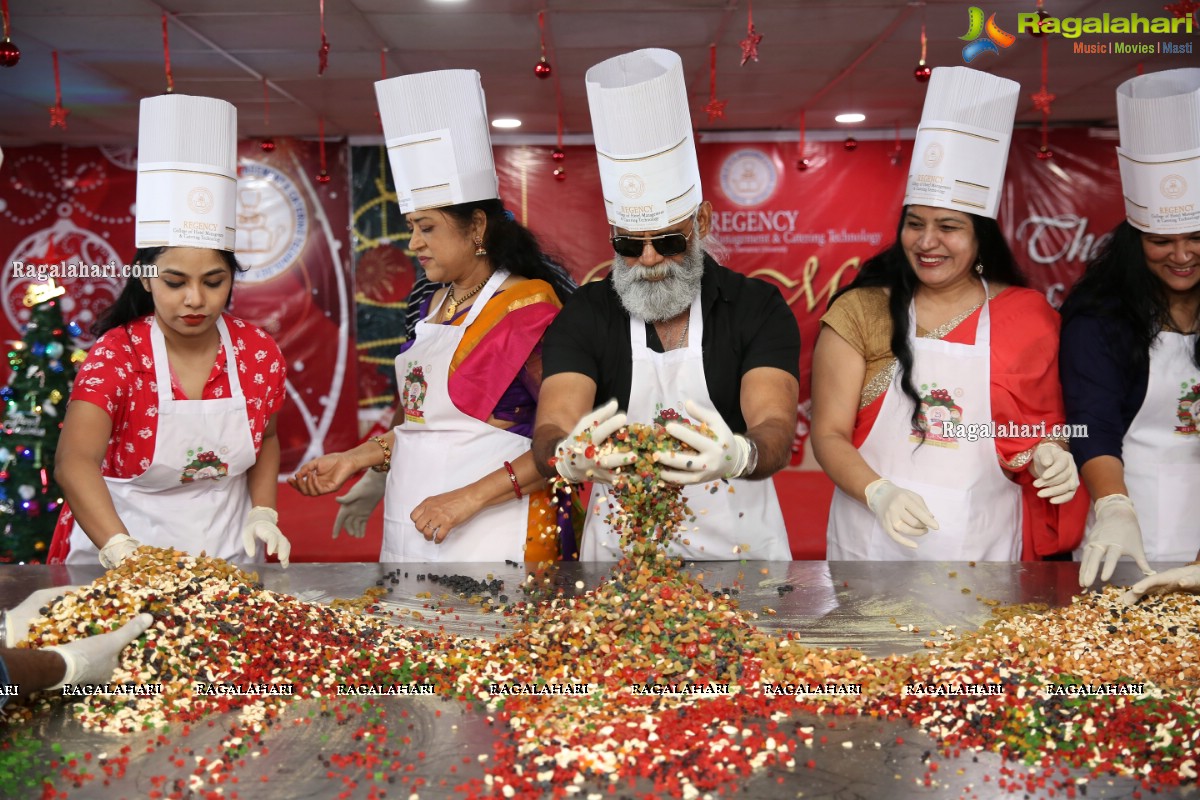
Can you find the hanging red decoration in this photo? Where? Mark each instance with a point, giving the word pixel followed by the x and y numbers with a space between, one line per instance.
pixel 923 71
pixel 58 114
pixel 267 145
pixel 896 149
pixel 323 175
pixel 167 56
pixel 1184 8
pixel 1042 16
pixel 323 52
pixel 10 54
pixel 715 108
pixel 558 154
pixel 542 68
pixel 1042 99
pixel 560 174
pixel 753 37
pixel 802 163
pixel 851 144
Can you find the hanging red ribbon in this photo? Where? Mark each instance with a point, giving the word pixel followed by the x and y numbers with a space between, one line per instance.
pixel 802 163
pixel 167 55
pixel 58 114
pixel 266 106
pixel 922 71
pixel 542 68
pixel 4 12
pixel 1042 99
pixel 323 175
pixel 715 108
pixel 323 53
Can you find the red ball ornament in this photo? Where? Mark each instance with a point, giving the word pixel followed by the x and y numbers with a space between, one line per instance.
pixel 1037 29
pixel 851 144
pixel 542 68
pixel 1045 153
pixel 3 475
pixel 922 72
pixel 558 154
pixel 560 174
pixel 267 145
pixel 10 54
pixel 803 164
pixel 323 177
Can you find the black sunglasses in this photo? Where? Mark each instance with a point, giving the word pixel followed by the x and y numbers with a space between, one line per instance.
pixel 666 244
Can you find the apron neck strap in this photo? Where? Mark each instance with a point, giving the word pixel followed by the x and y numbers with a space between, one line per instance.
pixel 485 294
pixel 983 331
pixel 162 366
pixel 695 329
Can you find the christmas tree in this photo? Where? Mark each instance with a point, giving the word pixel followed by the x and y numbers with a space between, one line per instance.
pixel 43 366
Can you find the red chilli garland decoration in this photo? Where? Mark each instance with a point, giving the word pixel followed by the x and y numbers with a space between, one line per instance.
pixel 10 54
pixel 323 52
pixel 542 68
pixel 922 72
pixel 715 108
pixel 167 56
pixel 753 37
pixel 323 175
pixel 1042 99
pixel 267 145
pixel 58 114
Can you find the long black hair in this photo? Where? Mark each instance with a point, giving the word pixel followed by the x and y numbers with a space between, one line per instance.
pixel 891 270
pixel 1119 285
pixel 511 245
pixel 134 301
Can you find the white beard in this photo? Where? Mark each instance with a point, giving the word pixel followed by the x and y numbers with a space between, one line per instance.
pixel 657 300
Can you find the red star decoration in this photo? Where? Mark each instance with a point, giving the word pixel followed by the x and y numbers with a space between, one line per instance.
pixel 323 56
pixel 58 117
pixel 750 45
pixel 715 109
pixel 1042 100
pixel 1184 8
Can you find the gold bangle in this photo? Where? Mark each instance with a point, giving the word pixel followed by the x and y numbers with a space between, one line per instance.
pixel 387 455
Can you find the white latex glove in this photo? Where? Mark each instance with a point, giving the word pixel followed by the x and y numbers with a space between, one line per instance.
pixel 17 620
pixel 93 660
pixel 1115 534
pixel 1055 471
pixel 723 457
pixel 1180 579
pixel 359 503
pixel 262 525
pixel 899 511
pixel 577 457
pixel 117 550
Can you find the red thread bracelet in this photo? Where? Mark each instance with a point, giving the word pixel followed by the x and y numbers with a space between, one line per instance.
pixel 512 476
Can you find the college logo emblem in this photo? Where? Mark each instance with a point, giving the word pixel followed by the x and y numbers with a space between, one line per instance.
pixel 993 36
pixel 415 389
pixel 204 465
pixel 937 410
pixel 632 186
pixel 200 200
pixel 1173 187
pixel 934 155
pixel 749 177
pixel 272 222
pixel 1188 410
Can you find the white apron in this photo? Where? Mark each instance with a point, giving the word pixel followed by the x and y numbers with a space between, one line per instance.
pixel 978 509
pixel 750 514
pixel 439 448
pixel 194 495
pixel 1161 451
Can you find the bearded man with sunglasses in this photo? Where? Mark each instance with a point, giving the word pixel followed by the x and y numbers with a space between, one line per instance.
pixel 670 336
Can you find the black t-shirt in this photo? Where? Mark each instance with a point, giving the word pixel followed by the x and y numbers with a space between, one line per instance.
pixel 747 324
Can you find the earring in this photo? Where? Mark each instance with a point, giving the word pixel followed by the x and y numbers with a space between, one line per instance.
pixel 978 267
pixel 480 250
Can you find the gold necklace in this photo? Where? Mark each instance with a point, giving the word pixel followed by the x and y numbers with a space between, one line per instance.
pixel 453 303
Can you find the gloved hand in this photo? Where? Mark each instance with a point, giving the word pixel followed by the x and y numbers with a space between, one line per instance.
pixel 93 660
pixel 1055 471
pixel 577 457
pixel 262 525
pixel 727 456
pixel 17 620
pixel 117 549
pixel 359 503
pixel 899 511
pixel 1180 579
pixel 1116 533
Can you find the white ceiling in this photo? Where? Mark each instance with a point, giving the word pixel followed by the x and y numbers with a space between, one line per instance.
pixel 819 55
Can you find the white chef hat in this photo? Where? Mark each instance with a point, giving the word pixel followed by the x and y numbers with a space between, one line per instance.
pixel 187 172
pixel 961 148
pixel 435 126
pixel 649 173
pixel 1159 119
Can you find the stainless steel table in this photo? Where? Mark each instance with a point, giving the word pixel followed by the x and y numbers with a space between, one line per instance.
pixel 834 604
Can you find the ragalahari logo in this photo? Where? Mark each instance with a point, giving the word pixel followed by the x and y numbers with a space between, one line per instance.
pixel 994 36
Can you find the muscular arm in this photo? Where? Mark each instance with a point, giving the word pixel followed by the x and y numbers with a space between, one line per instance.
pixel 838 373
pixel 565 399
pixel 768 398
pixel 81 448
pixel 262 478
